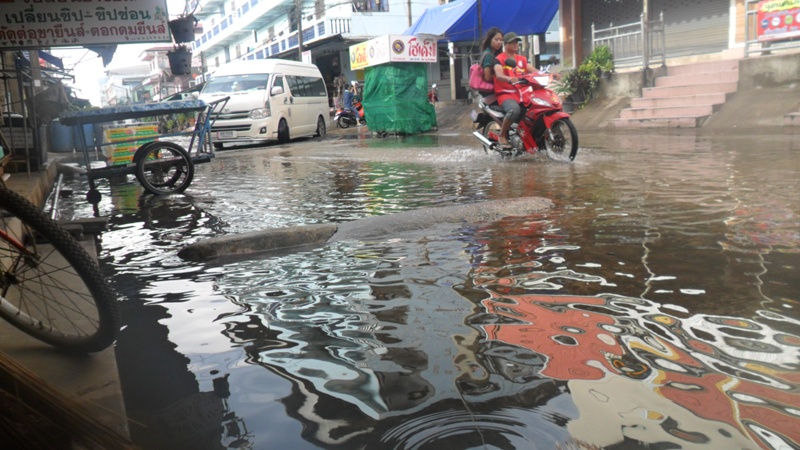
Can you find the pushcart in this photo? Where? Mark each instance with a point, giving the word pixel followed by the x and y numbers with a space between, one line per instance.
pixel 161 166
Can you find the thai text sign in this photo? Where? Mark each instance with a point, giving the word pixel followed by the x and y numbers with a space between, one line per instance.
pixel 391 48
pixel 66 23
pixel 778 20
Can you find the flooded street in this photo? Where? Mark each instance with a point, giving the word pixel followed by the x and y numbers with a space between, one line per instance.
pixel 656 305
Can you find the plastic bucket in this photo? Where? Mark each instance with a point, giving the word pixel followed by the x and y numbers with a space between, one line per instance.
pixel 61 140
pixel 88 134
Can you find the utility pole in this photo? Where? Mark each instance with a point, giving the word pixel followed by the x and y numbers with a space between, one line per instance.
pixel 480 22
pixel 298 6
pixel 36 72
pixel 409 14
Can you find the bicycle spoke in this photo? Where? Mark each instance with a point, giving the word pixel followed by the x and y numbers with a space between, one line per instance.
pixel 51 289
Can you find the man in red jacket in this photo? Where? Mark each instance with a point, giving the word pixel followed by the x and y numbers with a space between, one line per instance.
pixel 507 67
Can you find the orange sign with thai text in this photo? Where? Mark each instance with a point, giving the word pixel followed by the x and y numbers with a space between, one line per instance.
pixel 391 48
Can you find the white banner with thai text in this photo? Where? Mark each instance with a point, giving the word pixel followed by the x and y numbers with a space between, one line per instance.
pixel 68 23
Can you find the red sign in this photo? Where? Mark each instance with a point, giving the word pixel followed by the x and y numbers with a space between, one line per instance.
pixel 778 20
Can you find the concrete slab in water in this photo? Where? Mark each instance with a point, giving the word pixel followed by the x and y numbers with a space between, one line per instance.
pixel 259 242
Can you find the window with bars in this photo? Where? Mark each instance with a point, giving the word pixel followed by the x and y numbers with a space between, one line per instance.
pixel 370 5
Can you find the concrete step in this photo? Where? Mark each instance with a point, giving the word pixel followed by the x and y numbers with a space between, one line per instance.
pixel 661 122
pixel 667 112
pixel 792 120
pixel 730 76
pixel 683 100
pixel 677 91
pixel 704 67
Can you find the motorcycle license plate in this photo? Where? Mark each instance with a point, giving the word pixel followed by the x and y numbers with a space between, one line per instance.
pixel 226 134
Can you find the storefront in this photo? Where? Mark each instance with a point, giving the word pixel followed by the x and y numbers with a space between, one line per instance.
pixel 395 91
pixel 692 27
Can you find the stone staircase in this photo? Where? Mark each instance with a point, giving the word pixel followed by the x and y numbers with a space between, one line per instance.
pixel 685 98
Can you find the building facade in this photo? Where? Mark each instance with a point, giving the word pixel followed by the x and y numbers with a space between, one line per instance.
pixel 316 31
pixel 692 29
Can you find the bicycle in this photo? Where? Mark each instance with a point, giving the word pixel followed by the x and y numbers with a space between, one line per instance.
pixel 50 287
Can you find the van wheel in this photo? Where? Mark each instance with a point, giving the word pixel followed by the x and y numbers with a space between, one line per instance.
pixel 320 127
pixel 283 132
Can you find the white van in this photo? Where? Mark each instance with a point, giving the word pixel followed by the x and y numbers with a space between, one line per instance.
pixel 270 99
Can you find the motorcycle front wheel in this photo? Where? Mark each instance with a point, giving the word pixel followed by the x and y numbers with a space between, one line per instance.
pixel 342 122
pixel 561 141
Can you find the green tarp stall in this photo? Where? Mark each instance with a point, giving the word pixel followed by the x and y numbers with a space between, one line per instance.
pixel 396 98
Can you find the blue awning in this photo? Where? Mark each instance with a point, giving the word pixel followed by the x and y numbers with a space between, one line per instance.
pixel 51 59
pixel 458 21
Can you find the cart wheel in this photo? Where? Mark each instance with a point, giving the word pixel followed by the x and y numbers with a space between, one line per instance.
pixel 93 196
pixel 143 149
pixel 163 168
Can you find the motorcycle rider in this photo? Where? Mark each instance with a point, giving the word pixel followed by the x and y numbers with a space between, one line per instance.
pixel 506 72
pixel 491 46
pixel 348 103
pixel 433 94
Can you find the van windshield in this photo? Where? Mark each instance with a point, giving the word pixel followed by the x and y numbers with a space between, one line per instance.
pixel 237 83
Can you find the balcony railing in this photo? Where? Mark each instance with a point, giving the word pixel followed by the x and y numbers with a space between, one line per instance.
pixel 635 43
pixel 322 29
pixel 244 17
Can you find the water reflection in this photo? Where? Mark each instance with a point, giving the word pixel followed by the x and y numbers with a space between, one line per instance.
pixel 396 350
pixel 655 306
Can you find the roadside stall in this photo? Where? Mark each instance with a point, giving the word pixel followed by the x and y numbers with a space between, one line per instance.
pixel 395 95
pixel 162 167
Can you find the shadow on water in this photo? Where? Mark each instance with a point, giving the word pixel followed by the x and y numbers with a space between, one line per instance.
pixel 654 306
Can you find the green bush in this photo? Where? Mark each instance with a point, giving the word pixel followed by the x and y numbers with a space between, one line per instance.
pixel 600 60
pixel 581 83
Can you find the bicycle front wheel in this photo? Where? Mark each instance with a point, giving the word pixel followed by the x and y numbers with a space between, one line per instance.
pixel 50 287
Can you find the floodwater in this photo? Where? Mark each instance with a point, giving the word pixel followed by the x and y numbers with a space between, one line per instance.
pixel 657 305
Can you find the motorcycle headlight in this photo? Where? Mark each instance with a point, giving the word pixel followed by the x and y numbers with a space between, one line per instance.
pixel 541 102
pixel 544 80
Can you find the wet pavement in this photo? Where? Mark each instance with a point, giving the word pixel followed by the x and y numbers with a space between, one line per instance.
pixel 655 305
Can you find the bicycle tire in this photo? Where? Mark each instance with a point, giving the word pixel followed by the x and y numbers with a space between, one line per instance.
pixel 50 287
pixel 163 168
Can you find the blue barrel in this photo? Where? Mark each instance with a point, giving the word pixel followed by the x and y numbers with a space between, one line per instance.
pixel 61 140
pixel 88 133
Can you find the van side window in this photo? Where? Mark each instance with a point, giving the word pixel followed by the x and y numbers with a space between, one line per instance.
pixel 296 85
pixel 306 86
pixel 317 87
pixel 278 82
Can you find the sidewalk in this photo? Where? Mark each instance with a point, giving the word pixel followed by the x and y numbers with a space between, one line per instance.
pixel 91 382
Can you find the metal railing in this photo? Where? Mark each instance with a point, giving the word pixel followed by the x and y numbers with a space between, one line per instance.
pixel 751 42
pixel 633 44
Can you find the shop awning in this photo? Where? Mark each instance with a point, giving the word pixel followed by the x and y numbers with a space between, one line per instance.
pixel 458 21
pixel 51 59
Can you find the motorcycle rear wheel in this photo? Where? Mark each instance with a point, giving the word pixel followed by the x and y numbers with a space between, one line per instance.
pixel 490 127
pixel 561 142
pixel 342 122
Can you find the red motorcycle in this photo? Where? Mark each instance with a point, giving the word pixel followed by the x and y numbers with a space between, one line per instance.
pixel 543 125
pixel 345 118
